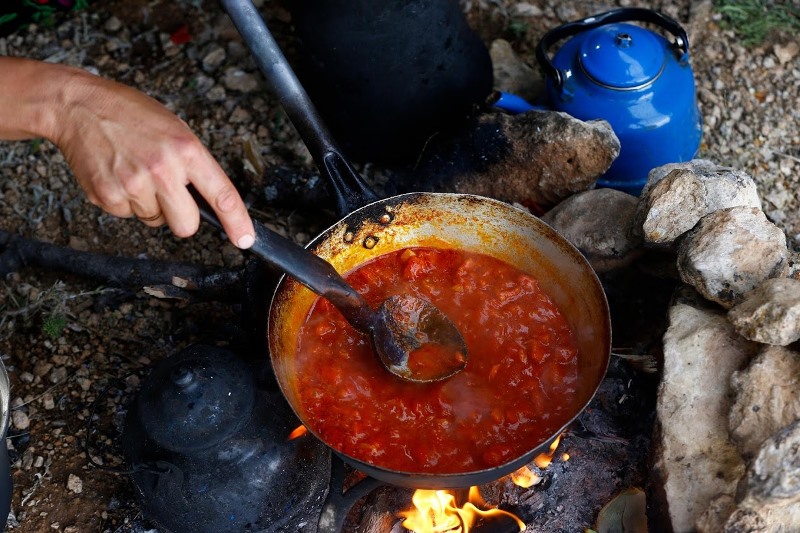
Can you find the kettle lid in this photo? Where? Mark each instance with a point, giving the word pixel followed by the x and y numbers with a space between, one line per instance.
pixel 196 399
pixel 622 56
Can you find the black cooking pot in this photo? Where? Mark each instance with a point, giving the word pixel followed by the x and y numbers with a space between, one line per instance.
pixel 372 227
pixel 387 74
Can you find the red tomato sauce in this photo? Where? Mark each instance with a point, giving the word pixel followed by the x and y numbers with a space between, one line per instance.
pixel 518 388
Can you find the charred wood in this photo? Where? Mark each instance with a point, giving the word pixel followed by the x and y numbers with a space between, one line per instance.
pixel 187 281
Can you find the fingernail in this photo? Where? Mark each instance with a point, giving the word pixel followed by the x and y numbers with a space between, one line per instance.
pixel 245 242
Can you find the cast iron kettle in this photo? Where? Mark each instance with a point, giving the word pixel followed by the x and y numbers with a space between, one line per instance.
pixel 635 79
pixel 207 439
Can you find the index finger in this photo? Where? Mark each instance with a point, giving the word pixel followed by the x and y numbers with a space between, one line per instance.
pixel 220 193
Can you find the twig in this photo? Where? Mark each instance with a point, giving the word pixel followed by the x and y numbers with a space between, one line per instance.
pixel 784 154
pixel 42 394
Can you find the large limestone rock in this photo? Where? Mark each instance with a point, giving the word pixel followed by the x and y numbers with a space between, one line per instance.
pixel 676 196
pixel 695 461
pixel 730 252
pixel 537 157
pixel 598 222
pixel 770 313
pixel 770 492
pixel 766 397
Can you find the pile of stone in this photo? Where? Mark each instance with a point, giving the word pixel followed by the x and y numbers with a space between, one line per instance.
pixel 726 448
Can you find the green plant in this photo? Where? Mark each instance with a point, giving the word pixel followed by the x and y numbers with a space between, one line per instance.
pixel 517 29
pixel 50 305
pixel 753 20
pixel 54 325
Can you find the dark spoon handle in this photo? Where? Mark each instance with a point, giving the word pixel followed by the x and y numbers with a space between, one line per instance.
pixel 307 268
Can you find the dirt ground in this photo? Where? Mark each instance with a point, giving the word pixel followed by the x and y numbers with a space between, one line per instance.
pixel 72 345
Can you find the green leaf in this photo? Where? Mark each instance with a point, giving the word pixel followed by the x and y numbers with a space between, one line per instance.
pixel 626 513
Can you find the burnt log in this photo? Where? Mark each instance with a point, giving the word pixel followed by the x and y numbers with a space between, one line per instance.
pixel 187 281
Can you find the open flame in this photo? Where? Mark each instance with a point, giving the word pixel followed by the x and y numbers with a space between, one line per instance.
pixel 525 478
pixel 436 511
pixel 298 432
pixel 543 460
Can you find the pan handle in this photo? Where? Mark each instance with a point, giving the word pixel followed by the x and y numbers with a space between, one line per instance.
pixel 349 188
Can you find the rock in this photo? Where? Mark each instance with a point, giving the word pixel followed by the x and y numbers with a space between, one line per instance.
pixel 598 223
pixel 730 252
pixel 74 484
pixel 695 461
pixel 58 374
pixel 766 397
pixel 678 195
pixel 20 419
pixel 112 25
pixel 770 313
pixel 239 80
pixel 771 487
pixel 203 83
pixel 48 401
pixel 718 512
pixel 214 58
pixel 240 115
pixel 526 9
pixel 511 74
pixel 216 93
pixel 746 521
pixel 535 157
pixel 42 368
pixel 786 52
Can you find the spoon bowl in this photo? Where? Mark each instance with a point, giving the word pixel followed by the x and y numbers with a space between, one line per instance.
pixel 415 340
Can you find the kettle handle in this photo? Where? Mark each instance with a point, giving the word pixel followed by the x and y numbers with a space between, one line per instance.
pixel 616 15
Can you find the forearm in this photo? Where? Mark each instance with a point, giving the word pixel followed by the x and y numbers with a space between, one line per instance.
pixel 35 96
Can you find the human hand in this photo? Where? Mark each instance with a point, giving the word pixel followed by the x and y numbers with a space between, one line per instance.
pixel 133 156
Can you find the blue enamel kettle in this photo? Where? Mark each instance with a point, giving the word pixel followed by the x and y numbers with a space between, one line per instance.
pixel 632 77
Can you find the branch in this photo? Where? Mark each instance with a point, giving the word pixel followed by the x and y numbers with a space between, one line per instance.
pixel 115 271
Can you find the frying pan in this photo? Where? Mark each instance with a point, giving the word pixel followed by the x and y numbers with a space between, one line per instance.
pixel 370 227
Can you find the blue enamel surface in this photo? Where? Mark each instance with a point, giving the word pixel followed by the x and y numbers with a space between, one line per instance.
pixel 657 122
pixel 621 55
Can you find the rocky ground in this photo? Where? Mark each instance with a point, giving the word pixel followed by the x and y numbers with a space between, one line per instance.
pixel 65 340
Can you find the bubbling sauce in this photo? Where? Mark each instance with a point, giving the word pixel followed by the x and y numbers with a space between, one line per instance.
pixel 518 388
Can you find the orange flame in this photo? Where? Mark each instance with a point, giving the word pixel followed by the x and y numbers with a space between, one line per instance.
pixel 435 511
pixel 298 432
pixel 525 478
pixel 543 460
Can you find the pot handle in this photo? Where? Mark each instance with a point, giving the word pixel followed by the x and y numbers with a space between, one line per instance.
pixel 349 188
pixel 616 15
